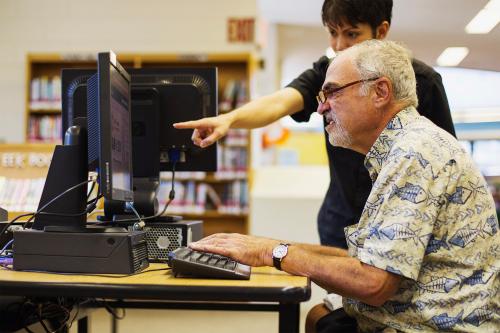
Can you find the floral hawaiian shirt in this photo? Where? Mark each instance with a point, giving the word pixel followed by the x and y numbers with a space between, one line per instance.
pixel 430 219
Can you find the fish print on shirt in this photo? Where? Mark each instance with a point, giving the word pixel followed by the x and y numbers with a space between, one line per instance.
pixel 479 316
pixel 491 226
pixel 395 124
pixel 439 285
pixel 421 160
pixel 410 192
pixel 436 244
pixel 477 277
pixel 444 322
pixel 460 196
pixel 401 232
pixel 464 236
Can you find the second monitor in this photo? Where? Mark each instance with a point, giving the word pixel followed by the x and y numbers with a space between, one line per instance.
pixel 159 98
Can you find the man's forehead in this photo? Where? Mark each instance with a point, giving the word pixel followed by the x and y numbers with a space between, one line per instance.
pixel 340 67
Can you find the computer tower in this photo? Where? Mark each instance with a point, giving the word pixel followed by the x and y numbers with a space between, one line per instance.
pixel 80 252
pixel 164 237
pixel 3 215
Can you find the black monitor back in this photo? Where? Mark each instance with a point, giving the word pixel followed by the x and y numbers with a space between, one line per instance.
pixel 183 94
pixel 159 96
pixel 74 95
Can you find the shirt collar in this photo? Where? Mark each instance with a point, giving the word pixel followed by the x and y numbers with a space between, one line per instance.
pixel 380 150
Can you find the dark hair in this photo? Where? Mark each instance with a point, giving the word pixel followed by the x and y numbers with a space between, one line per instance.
pixel 372 12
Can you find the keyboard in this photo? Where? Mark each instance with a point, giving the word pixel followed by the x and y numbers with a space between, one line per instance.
pixel 186 262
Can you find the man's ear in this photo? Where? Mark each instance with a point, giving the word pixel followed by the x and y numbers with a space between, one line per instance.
pixel 382 92
pixel 382 30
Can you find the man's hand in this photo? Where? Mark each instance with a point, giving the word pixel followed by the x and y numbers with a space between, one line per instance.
pixel 207 130
pixel 249 250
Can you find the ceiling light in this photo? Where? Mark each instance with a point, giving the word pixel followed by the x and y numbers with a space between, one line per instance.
pixel 452 56
pixel 486 19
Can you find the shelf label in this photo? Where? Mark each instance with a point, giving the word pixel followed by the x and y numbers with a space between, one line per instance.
pixel 23 160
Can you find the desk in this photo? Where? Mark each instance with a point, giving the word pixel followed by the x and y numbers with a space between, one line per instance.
pixel 267 290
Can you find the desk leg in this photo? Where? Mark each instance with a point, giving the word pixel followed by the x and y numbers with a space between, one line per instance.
pixel 114 324
pixel 289 318
pixel 83 325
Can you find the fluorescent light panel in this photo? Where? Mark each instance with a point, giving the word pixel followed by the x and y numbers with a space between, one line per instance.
pixel 486 19
pixel 452 56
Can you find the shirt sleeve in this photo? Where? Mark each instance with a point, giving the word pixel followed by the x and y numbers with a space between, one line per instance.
pixel 409 191
pixel 308 84
pixel 432 99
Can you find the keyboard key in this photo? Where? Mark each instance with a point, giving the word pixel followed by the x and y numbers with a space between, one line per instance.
pixel 188 263
pixel 213 260
pixel 195 256
pixel 204 258
pixel 230 265
pixel 221 263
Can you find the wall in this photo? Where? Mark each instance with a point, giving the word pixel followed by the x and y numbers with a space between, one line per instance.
pixel 69 26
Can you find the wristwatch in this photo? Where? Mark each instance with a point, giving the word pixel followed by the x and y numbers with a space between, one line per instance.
pixel 279 253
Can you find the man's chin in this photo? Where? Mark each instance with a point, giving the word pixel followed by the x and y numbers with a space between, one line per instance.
pixel 339 142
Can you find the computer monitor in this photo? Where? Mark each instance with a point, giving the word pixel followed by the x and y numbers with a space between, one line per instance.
pixel 109 128
pixel 101 141
pixel 159 98
pixel 174 95
pixel 162 97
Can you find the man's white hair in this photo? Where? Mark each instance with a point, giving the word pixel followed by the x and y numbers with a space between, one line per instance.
pixel 377 58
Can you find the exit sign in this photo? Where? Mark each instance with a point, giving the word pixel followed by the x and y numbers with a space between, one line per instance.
pixel 240 30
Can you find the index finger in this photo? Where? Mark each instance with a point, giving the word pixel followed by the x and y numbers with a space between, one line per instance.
pixel 187 124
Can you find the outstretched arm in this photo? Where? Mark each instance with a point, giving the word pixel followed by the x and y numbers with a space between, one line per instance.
pixel 258 113
pixel 340 273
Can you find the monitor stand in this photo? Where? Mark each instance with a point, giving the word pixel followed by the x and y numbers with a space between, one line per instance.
pixel 145 202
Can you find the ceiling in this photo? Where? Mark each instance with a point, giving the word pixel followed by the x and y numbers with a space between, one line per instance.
pixel 427 27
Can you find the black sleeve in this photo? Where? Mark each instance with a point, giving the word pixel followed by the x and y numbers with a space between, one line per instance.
pixel 308 84
pixel 432 100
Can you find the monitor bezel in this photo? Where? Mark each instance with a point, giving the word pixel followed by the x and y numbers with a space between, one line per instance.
pixel 104 62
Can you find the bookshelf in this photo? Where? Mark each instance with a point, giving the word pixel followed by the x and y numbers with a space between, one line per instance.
pixel 23 169
pixel 220 199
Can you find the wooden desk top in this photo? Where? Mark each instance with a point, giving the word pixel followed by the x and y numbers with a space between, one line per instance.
pixel 265 284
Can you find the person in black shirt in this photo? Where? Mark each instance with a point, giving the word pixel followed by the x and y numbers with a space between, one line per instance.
pixel 349 22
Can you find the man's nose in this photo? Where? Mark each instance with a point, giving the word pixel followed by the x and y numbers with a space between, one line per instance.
pixel 322 108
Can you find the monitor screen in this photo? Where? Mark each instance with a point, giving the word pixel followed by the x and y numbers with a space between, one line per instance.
pixel 109 128
pixel 121 136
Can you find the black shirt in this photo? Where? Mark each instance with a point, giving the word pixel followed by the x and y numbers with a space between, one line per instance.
pixel 350 182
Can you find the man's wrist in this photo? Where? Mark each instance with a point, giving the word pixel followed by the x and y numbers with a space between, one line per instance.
pixel 268 253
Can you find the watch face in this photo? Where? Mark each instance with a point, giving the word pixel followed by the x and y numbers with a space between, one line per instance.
pixel 280 251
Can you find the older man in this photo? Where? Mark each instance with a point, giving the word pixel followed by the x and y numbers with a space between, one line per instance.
pixel 425 254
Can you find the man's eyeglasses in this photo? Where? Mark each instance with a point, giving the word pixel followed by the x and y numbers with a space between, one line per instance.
pixel 324 94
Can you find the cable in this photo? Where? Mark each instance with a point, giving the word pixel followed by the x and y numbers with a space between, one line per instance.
pixel 55 199
pixel 14 220
pixel 58 197
pixel 91 205
pixel 139 224
pixel 6 246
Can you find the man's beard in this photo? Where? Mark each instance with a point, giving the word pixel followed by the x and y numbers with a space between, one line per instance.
pixel 338 135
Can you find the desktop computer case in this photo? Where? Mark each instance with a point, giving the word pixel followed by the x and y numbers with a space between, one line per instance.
pixel 85 252
pixel 164 237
